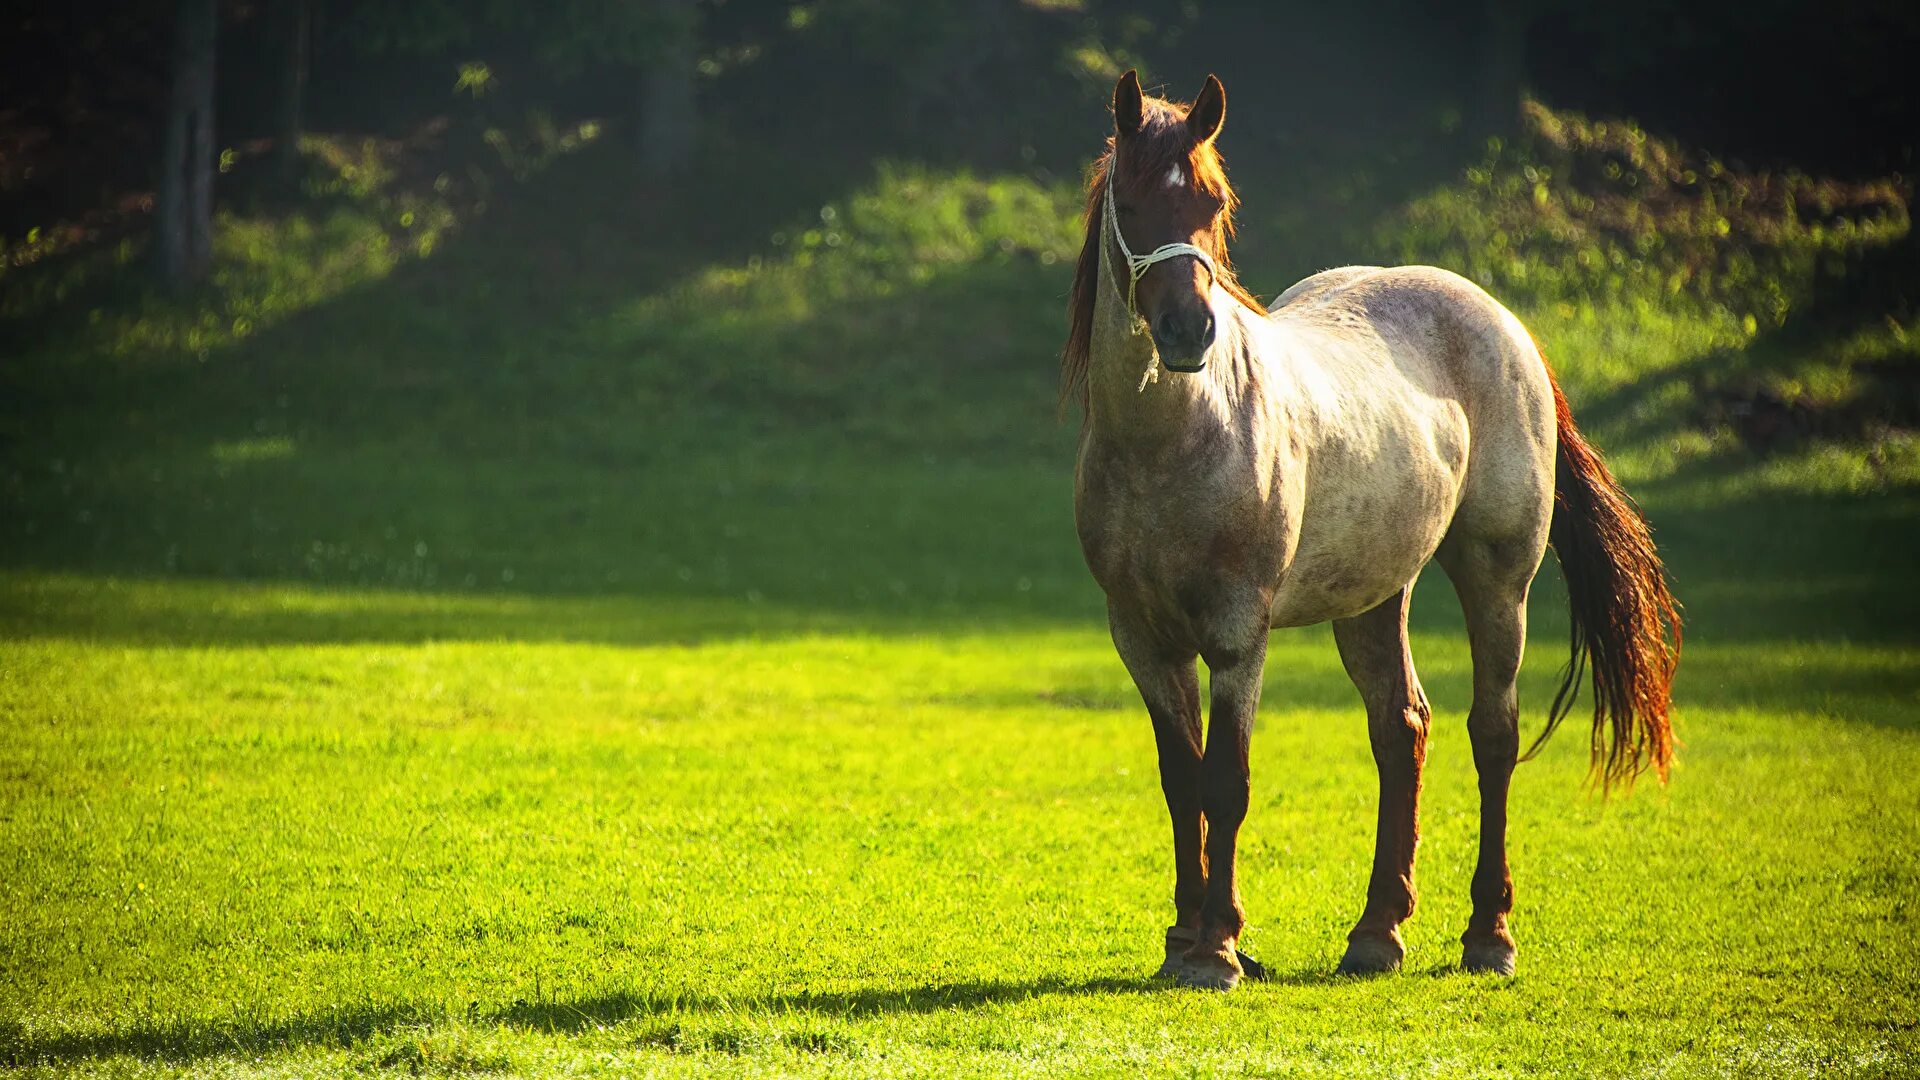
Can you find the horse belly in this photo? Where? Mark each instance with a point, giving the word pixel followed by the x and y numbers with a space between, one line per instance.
pixel 1337 585
pixel 1365 535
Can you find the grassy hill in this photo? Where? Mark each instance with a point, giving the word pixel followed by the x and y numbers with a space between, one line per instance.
pixel 510 621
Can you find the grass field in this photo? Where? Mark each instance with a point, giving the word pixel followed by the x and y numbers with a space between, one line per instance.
pixel 521 652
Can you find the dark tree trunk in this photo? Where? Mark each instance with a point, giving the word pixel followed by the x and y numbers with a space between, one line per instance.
pixel 183 208
pixel 668 119
pixel 170 194
pixel 293 87
pixel 1503 65
pixel 204 154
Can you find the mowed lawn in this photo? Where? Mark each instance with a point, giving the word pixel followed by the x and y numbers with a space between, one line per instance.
pixel 394 694
pixel 470 833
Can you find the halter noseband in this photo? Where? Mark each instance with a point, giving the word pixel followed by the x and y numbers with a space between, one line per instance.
pixel 1138 265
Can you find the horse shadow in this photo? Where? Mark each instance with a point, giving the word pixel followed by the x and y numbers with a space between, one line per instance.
pixel 185 1042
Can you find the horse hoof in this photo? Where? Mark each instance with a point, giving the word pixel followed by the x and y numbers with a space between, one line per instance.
pixel 1176 964
pixel 1489 958
pixel 1210 965
pixel 1208 976
pixel 1371 955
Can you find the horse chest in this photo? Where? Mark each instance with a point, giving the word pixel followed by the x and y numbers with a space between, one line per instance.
pixel 1180 548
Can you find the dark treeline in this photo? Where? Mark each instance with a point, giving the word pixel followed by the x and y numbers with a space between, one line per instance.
pixel 99 99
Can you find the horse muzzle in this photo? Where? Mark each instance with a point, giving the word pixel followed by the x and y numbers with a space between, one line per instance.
pixel 1182 340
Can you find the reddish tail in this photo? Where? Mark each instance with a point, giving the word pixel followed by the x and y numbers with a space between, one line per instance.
pixel 1625 619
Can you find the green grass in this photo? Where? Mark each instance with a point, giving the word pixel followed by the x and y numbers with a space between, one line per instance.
pixel 656 644
pixel 893 852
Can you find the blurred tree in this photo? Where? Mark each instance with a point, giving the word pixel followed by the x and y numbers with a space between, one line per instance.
pixel 654 43
pixel 183 208
pixel 929 68
pixel 1502 76
pixel 1760 80
pixel 667 110
pixel 297 28
pixel 967 37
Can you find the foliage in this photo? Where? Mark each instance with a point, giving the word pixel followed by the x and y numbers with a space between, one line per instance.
pixel 360 219
pixel 1666 284
pixel 566 37
pixel 836 319
pixel 1597 212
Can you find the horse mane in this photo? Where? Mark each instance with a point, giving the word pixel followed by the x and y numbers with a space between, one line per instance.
pixel 1161 143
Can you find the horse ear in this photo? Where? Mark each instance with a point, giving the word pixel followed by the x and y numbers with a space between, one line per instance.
pixel 1129 111
pixel 1208 113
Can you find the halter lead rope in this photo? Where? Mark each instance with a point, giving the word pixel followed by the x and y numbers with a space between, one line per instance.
pixel 1137 267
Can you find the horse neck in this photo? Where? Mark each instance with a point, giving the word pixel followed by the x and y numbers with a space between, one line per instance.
pixel 1124 408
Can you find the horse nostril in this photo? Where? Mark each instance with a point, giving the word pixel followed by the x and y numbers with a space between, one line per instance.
pixel 1207 330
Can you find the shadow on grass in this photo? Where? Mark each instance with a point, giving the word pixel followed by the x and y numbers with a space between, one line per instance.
pixel 494 445
pixel 947 510
pixel 940 553
pixel 348 1028
pixel 439 435
pixel 1830 671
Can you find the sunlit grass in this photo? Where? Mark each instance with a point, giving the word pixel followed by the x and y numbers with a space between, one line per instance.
pixel 890 853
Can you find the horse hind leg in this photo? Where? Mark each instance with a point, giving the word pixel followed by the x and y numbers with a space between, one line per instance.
pixel 1492 581
pixel 1373 646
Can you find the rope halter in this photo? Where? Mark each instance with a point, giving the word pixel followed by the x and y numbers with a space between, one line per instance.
pixel 1138 265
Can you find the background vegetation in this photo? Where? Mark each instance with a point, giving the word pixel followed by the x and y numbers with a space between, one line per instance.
pixel 533 608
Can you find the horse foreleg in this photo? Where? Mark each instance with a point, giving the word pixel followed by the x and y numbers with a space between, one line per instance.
pixel 1178 738
pixel 1373 646
pixel 1170 687
pixel 1214 961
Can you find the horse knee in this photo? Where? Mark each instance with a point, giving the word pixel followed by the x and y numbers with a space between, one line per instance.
pixel 1224 798
pixel 1182 794
pixel 1494 727
pixel 1399 733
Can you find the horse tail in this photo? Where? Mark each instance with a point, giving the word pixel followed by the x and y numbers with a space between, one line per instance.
pixel 1625 621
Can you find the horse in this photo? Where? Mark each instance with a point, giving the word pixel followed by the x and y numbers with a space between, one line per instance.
pixel 1243 468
